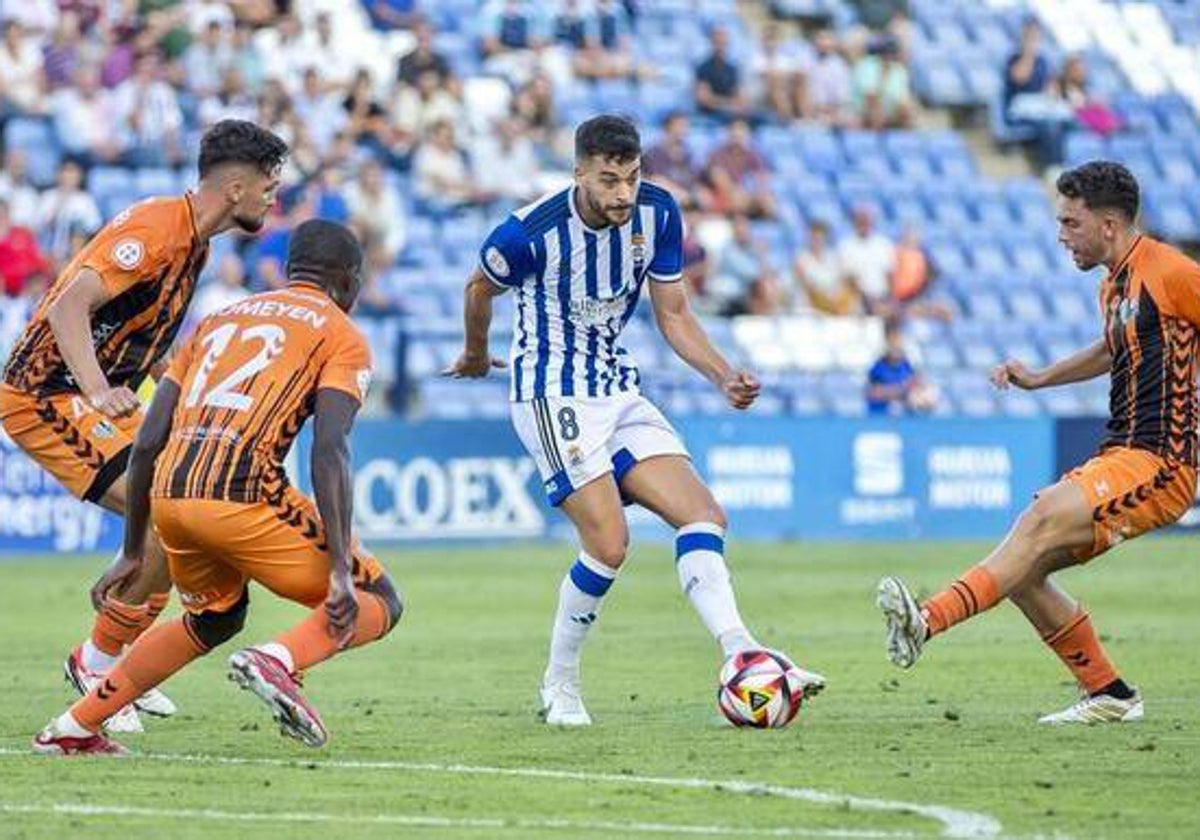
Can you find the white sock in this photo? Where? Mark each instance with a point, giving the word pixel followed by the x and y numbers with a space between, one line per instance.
pixel 579 598
pixel 279 652
pixel 65 724
pixel 700 561
pixel 96 660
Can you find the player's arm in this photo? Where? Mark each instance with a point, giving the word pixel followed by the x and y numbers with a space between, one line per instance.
pixel 151 438
pixel 333 416
pixel 475 360
pixel 70 319
pixel 682 330
pixel 1090 362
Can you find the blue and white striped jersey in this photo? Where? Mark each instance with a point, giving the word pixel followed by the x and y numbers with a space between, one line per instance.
pixel 577 288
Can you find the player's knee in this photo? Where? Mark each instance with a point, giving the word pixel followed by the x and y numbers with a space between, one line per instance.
pixel 610 549
pixel 214 629
pixel 1042 525
pixel 385 590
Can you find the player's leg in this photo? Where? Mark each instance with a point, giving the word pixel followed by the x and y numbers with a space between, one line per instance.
pixel 568 440
pixel 596 511
pixel 217 601
pixel 1045 537
pixel 123 616
pixel 280 544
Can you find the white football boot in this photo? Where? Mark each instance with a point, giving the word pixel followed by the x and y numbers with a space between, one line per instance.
pixel 906 627
pixel 1100 708
pixel 56 739
pixel 562 704
pixel 84 680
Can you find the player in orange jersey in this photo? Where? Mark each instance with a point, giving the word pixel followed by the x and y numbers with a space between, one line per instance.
pixel 1143 477
pixel 210 453
pixel 68 395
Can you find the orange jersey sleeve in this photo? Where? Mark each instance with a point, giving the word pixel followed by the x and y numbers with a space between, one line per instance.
pixel 182 360
pixel 347 366
pixel 1181 282
pixel 133 247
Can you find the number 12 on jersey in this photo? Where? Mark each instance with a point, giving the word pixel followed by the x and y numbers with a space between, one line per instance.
pixel 224 394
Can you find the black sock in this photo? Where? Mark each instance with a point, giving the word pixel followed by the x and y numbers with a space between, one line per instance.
pixel 1117 688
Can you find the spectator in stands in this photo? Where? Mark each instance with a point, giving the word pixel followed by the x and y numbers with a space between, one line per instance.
pixel 22 81
pixel 16 191
pixel 740 265
pixel 65 209
pixel 738 176
pixel 22 262
pixel 598 36
pixel 819 275
pixel 882 95
pixel 284 50
pixel 513 33
pixel 418 108
pixel 207 60
pixel 63 54
pixel 246 57
pixel 533 104
pixel 868 258
pixel 893 385
pixel 442 180
pixel 1030 97
pixel 335 62
pixel 422 59
pixel 504 162
pixel 781 70
pixel 670 164
pixel 225 289
pixel 320 111
pixel 82 117
pixel 37 17
pixel 148 115
pixel 367 122
pixel 718 81
pixel 828 82
pixel 232 101
pixel 1090 113
pixel 376 212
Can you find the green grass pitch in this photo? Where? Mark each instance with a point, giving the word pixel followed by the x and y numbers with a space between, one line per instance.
pixel 447 702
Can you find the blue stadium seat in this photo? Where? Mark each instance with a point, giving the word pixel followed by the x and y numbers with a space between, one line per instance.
pixel 1026 305
pixel 1070 307
pixel 979 355
pixel 154 181
pixel 35 137
pixel 102 180
pixel 1028 257
pixel 985 305
pixel 1061 402
pixel 947 257
pixel 1017 403
pixel 992 210
pixel 940 356
pixel 1082 146
pixel 988 259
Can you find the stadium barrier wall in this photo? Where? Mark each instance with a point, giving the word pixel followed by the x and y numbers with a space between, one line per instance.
pixel 794 478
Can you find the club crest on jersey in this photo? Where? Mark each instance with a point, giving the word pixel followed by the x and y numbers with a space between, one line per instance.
pixel 127 253
pixel 496 262
pixel 638 250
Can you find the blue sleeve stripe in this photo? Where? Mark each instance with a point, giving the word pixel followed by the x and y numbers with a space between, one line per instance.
pixel 588 581
pixel 567 375
pixel 687 543
pixel 558 487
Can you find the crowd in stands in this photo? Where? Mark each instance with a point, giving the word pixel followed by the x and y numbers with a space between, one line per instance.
pixel 421 123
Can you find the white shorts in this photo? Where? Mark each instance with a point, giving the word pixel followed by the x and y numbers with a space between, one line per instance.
pixel 575 440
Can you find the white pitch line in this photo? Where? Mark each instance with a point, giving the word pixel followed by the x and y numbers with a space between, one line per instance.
pixel 955 823
pixel 424 821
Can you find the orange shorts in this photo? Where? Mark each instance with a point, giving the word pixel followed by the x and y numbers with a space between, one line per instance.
pixel 214 547
pixel 1131 491
pixel 78 445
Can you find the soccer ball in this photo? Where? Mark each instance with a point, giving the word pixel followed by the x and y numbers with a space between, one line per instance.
pixel 759 688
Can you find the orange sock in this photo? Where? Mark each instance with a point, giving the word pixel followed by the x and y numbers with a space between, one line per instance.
pixel 118 624
pixel 1079 648
pixel 309 641
pixel 158 654
pixel 974 592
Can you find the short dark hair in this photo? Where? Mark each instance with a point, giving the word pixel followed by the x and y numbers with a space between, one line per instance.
pixel 1102 185
pixel 320 250
pixel 239 141
pixel 609 136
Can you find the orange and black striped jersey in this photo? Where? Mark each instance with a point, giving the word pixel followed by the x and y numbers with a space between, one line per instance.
pixel 1151 307
pixel 148 258
pixel 248 380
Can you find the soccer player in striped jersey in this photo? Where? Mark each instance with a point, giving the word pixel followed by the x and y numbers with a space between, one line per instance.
pixel 1144 476
pixel 578 261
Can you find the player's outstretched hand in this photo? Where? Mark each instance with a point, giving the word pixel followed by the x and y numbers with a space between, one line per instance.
pixel 341 608
pixel 473 367
pixel 1013 372
pixel 741 389
pixel 115 402
pixel 114 577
